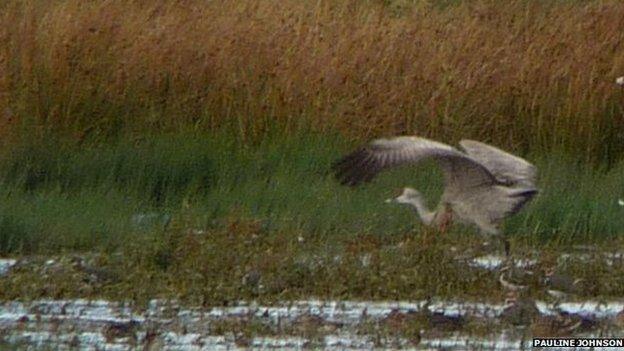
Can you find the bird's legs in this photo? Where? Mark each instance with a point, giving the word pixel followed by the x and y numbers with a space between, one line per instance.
pixel 494 233
pixel 507 246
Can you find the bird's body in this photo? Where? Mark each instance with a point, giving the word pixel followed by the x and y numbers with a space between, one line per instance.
pixel 483 185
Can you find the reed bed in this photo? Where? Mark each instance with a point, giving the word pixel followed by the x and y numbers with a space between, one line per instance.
pixel 223 118
pixel 526 75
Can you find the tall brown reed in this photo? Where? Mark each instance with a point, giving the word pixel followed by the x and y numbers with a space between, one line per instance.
pixel 521 74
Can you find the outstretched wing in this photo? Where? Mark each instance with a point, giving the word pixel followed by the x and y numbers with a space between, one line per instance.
pixel 503 165
pixel 461 172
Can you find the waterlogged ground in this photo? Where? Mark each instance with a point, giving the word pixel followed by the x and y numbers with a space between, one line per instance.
pixel 487 323
pixel 357 325
pixel 206 223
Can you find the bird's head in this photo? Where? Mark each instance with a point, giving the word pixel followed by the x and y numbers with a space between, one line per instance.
pixel 407 196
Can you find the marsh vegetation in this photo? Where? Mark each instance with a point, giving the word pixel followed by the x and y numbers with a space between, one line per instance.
pixel 186 146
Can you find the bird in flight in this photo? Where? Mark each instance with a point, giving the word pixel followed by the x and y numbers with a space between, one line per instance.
pixel 483 185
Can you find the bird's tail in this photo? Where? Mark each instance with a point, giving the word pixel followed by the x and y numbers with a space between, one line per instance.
pixel 522 197
pixel 527 192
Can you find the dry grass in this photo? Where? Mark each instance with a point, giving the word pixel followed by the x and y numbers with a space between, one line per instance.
pixel 528 75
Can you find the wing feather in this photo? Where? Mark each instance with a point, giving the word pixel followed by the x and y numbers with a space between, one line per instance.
pixel 503 165
pixel 461 171
pixel 484 186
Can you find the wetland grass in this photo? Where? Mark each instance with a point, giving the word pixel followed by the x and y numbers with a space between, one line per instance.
pixel 269 221
pixel 284 182
pixel 226 117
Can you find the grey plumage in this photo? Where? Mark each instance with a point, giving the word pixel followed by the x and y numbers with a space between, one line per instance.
pixel 505 166
pixel 483 186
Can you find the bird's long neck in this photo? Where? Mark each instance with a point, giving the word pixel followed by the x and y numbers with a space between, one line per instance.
pixel 425 215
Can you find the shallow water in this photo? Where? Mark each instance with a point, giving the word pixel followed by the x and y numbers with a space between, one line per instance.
pixel 6 264
pixel 105 325
pixel 336 325
pixel 492 262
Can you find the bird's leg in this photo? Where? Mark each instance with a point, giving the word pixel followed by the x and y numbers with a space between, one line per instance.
pixel 507 246
pixel 496 231
pixel 494 234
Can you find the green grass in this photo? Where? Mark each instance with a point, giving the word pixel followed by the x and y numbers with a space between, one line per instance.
pixel 271 210
pixel 57 197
